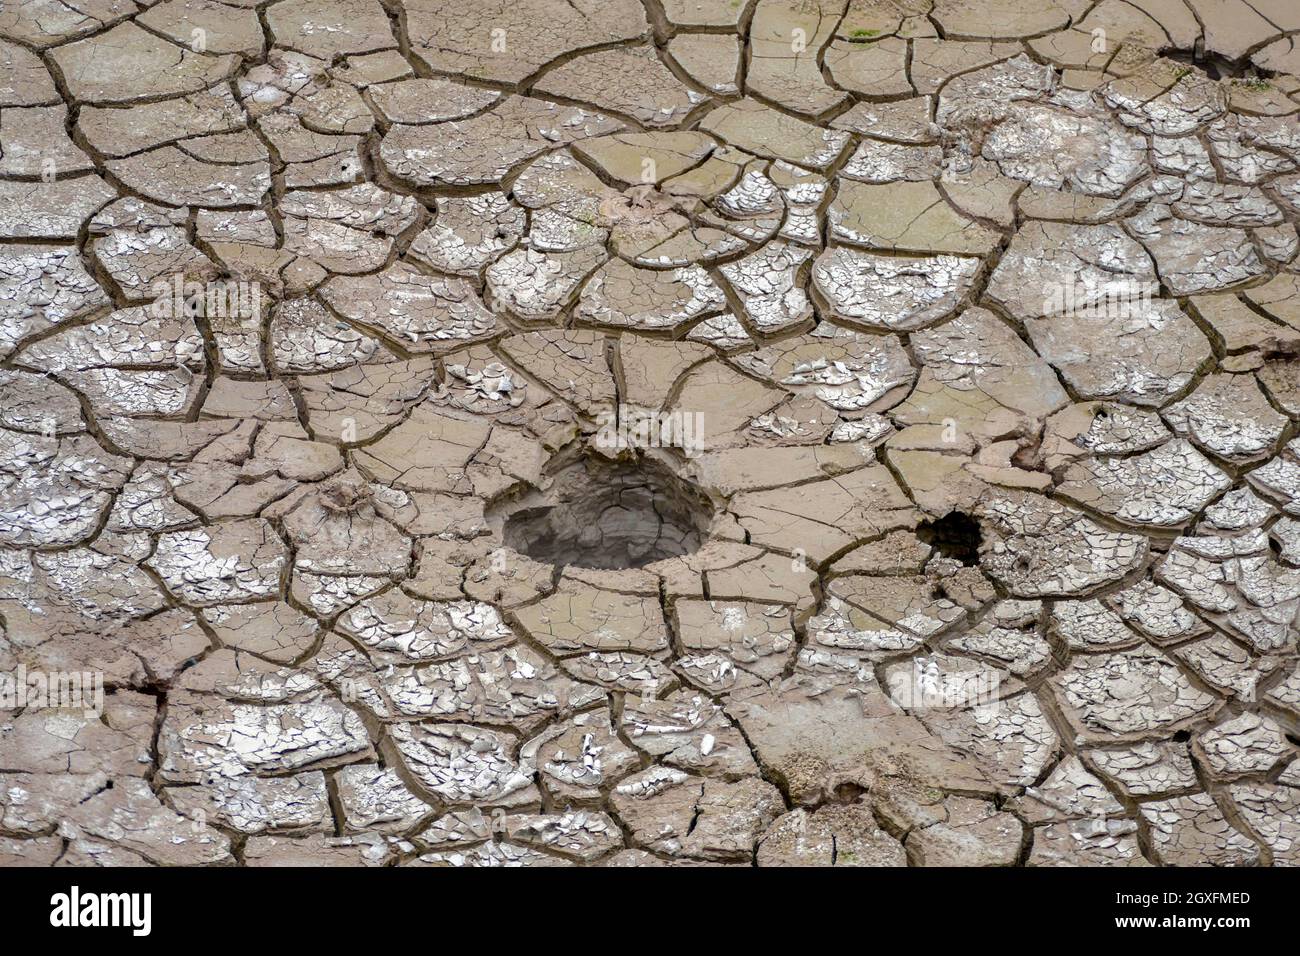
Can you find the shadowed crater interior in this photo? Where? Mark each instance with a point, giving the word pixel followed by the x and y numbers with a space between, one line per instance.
pixel 955 535
pixel 608 515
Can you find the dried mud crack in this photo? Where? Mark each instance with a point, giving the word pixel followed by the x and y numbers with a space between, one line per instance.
pixel 679 432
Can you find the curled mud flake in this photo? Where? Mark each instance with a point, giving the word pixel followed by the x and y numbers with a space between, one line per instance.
pixel 40 287
pixel 849 371
pixel 492 854
pixel 582 835
pixel 1070 792
pixel 730 642
pixel 469 233
pixel 1089 153
pixel 897 293
pixel 200 742
pixel 422 630
pixel 1157 612
pixel 1087 843
pixel 1087 625
pixel 304 337
pixel 55 490
pixel 1010 741
pixel 1162 488
pixel 1229 416
pixel 537 286
pixel 681 815
pixel 485 147
pixel 1244 745
pixel 232 561
pixel 1127 694
pixel 143 263
pixel 1021 650
pixel 375 798
pixel 258 804
pixel 1227 667
pixel 1279 479
pixel 1193 258
pixel 461 763
pixel 978 380
pixel 418 312
pixel 579 757
pixel 1048 261
pixel 875 161
pixel 767 284
pixel 362 849
pixel 878 617
pixel 622 296
pixel 620 670
pixel 1270 812
pixel 1192 831
pixel 515 688
pixel 236 718
pixel 1146 769
pixel 1213 204
pixel 1041 548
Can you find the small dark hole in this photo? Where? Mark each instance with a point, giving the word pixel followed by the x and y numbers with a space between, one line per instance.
pixel 850 793
pixel 956 535
pixel 1218 67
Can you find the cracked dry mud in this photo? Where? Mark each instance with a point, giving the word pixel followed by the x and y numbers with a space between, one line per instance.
pixel 941 576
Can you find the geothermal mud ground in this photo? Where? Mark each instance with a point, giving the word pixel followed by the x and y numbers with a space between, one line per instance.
pixel 551 432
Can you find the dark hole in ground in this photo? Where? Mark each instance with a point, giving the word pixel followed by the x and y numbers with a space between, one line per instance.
pixel 956 535
pixel 1217 66
pixel 608 515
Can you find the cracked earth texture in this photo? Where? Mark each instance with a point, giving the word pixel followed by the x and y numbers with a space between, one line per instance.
pixel 922 570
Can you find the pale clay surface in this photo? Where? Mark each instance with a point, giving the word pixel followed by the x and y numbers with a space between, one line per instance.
pixel 931 571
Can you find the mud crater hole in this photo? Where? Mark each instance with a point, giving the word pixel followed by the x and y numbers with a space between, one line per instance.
pixel 607 515
pixel 956 535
